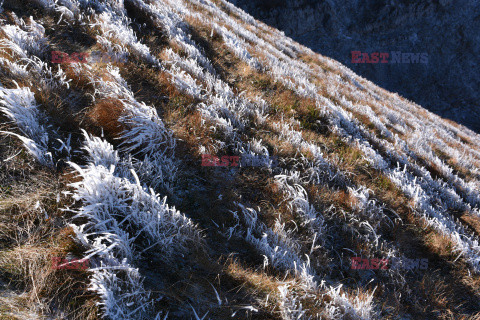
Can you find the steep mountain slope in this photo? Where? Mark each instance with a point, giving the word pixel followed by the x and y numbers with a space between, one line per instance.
pixel 112 162
pixel 446 31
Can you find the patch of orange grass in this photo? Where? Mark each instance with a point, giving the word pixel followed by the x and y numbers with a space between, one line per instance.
pixel 105 114
pixel 472 221
pixel 258 280
pixel 80 80
pixel 440 244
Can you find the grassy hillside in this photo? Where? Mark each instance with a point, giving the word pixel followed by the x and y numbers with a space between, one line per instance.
pixel 105 161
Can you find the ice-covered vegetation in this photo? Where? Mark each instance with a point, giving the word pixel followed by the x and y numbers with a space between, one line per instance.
pixel 203 77
pixel 125 220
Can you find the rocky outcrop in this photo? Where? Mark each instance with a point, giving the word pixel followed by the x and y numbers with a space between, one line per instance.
pixel 448 31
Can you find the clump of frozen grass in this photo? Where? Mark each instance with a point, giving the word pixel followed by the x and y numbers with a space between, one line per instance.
pixel 27 44
pixel 120 288
pixel 19 106
pixel 115 30
pixel 290 307
pixel 145 136
pixel 342 306
pixel 278 249
pixel 100 152
pixel 298 202
pixel 329 302
pixel 30 38
pixel 238 46
pixel 145 132
pixel 124 221
pixel 158 171
pixel 139 209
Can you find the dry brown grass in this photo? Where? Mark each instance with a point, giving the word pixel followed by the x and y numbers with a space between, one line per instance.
pixel 193 132
pixel 260 281
pixel 459 170
pixel 265 288
pixel 316 61
pixel 472 221
pixel 80 80
pixel 258 284
pixel 32 232
pixel 29 268
pixel 105 114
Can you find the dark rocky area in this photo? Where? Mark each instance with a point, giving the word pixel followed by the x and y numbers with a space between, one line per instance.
pixel 447 31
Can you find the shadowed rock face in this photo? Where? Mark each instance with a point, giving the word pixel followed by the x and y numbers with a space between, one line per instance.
pixel 447 30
